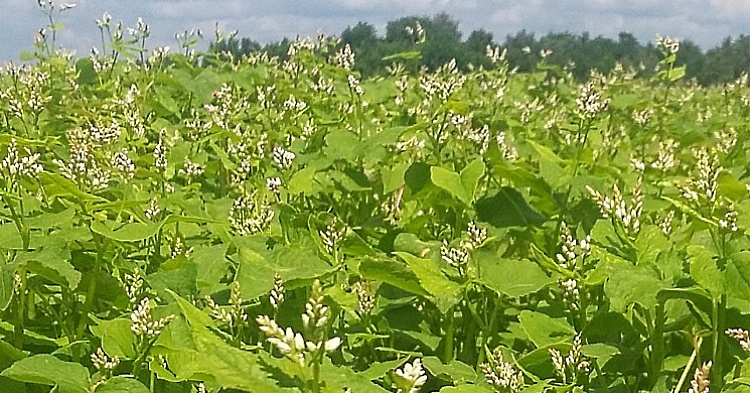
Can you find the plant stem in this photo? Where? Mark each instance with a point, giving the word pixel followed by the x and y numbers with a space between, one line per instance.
pixel 449 331
pixel 101 246
pixel 657 344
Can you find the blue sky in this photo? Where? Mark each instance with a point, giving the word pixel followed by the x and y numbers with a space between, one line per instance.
pixel 706 22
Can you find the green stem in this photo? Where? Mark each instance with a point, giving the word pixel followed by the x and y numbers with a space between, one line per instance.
pixel 449 332
pixel 91 291
pixel 316 376
pixel 18 336
pixel 719 315
pixel 657 344
pixel 688 366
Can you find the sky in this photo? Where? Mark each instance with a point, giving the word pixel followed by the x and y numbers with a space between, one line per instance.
pixel 705 22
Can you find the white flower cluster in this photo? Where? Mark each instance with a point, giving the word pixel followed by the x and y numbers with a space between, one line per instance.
pixel 124 164
pixel 235 314
pixel 665 157
pixel 273 184
pixel 410 378
pixel 153 210
pixel 282 157
pixel 332 237
pixel 667 45
pixel 365 297
pixel 729 222
pixel 707 183
pixel 501 375
pixel 102 362
pixel 344 58
pixel 615 207
pixel 571 250
pixel 700 382
pixel 590 101
pixel 572 367
pixel 277 293
pixel 495 54
pixel 190 168
pixel 84 167
pixel 742 337
pixel 509 152
pixel 143 323
pixel 133 284
pixel 14 166
pixel 248 217
pixel 296 346
pixel 457 257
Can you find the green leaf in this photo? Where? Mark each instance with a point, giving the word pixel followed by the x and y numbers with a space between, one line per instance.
pixel 445 292
pixel 116 337
pixel 52 263
pixel 212 265
pixel 48 370
pixel 179 274
pixel 397 274
pixel 508 208
pixel 544 330
pixel 213 360
pixel 737 275
pixel 258 265
pixel 133 232
pixel 527 277
pixel 456 371
pixel 120 384
pixel 628 284
pixel 705 271
pixel 461 186
pixel 393 178
pixel 303 181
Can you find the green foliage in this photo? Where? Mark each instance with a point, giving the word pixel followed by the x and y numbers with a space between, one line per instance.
pixel 191 222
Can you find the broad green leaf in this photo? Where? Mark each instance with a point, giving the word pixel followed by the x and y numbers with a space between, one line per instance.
pixel 628 284
pixel 456 371
pixel 212 265
pixel 737 275
pixel 450 181
pixel 338 379
pixel 52 263
pixel 511 278
pixel 116 337
pixel 258 265
pixel 462 186
pixel 179 275
pixel 705 271
pixel 134 232
pixel 445 292
pixel 544 330
pixel 303 181
pixel 393 178
pixel 48 370
pixel 508 208
pixel 395 273
pixel 121 384
pixel 471 175
pixel 216 361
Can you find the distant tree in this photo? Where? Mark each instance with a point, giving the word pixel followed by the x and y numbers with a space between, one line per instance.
pixel 475 48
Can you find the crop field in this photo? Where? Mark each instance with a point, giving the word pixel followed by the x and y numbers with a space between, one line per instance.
pixel 174 221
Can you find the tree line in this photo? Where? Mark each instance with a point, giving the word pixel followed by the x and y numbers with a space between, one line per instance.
pixel 444 41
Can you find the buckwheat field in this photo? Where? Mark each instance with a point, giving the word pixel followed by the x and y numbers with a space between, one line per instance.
pixel 178 221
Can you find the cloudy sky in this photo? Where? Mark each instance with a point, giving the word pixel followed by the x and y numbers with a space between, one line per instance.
pixel 705 22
